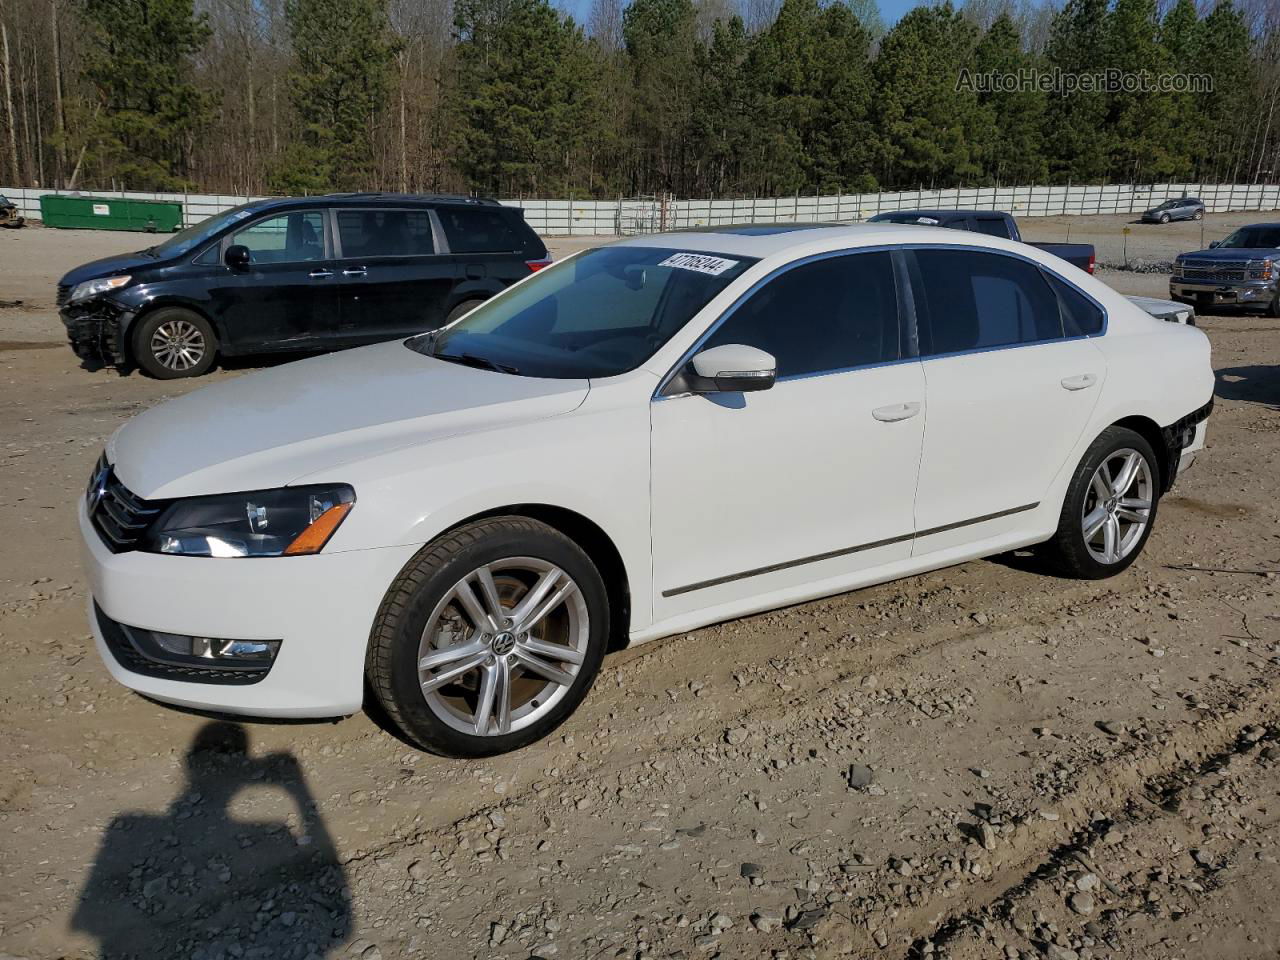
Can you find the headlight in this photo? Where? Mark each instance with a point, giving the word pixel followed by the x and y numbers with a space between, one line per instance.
pixel 291 521
pixel 92 288
pixel 1260 269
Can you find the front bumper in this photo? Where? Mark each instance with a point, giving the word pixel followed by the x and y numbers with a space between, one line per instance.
pixel 96 331
pixel 1208 293
pixel 321 607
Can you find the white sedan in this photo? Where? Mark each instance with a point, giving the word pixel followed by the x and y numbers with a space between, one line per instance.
pixel 650 436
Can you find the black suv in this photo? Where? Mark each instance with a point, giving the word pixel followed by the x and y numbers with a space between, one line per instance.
pixel 296 274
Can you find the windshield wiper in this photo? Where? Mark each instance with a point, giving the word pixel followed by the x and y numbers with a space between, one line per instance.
pixel 471 360
pixel 150 251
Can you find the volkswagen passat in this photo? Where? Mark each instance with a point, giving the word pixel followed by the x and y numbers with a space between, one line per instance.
pixel 645 438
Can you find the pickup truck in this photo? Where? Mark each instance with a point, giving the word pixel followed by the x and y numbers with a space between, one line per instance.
pixel 993 223
pixel 1241 271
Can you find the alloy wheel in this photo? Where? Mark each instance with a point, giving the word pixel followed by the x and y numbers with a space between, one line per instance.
pixel 503 646
pixel 1117 508
pixel 178 345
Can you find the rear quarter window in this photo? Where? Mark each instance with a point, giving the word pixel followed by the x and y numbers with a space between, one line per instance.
pixel 489 230
pixel 1081 317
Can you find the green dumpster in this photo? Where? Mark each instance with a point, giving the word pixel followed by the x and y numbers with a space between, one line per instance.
pixel 110 213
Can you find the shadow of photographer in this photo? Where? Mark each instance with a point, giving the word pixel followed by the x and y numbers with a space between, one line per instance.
pixel 199 882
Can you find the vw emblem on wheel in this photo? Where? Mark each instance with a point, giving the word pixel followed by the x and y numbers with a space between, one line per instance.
pixel 97 489
pixel 503 643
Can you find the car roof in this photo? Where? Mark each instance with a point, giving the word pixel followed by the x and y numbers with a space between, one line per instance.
pixel 376 199
pixel 943 214
pixel 803 239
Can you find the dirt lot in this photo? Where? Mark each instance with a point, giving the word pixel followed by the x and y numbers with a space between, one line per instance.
pixel 980 762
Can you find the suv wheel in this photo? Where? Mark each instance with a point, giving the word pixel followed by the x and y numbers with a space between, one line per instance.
pixel 1198 215
pixel 489 638
pixel 1110 507
pixel 173 342
pixel 1164 218
pixel 465 307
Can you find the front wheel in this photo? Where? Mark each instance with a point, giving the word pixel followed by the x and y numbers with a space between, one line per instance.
pixel 1164 218
pixel 489 638
pixel 173 342
pixel 1110 507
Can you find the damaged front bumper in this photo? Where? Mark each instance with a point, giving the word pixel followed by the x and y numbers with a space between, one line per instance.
pixel 96 331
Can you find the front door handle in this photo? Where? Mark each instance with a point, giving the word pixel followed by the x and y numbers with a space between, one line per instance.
pixel 320 274
pixel 357 272
pixel 895 412
pixel 1081 381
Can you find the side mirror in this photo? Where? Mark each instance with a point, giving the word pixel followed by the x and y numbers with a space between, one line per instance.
pixel 731 368
pixel 237 257
pixel 1214 243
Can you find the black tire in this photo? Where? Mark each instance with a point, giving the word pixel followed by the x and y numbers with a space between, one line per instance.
pixel 1198 215
pixel 193 329
pixel 466 306
pixel 391 664
pixel 1274 309
pixel 1068 551
pixel 1164 218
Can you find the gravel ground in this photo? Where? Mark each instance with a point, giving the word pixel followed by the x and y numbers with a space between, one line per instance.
pixel 979 762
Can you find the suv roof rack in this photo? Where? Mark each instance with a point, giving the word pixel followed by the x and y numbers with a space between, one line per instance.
pixel 436 197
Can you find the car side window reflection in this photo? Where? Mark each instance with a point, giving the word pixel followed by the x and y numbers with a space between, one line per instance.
pixel 827 315
pixel 288 238
pixel 972 300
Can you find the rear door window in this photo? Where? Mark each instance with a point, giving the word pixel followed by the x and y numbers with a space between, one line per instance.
pixel 820 317
pixel 975 300
pixel 285 238
pixel 368 233
pixel 991 226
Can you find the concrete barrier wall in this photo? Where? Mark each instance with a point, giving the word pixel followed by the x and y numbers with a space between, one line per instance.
pixel 570 217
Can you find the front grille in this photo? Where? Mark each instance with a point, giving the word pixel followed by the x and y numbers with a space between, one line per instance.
pixel 1213 270
pixel 120 517
pixel 127 654
pixel 64 293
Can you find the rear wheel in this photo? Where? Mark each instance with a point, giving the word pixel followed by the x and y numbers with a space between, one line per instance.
pixel 1110 507
pixel 465 307
pixel 173 342
pixel 1198 215
pixel 490 638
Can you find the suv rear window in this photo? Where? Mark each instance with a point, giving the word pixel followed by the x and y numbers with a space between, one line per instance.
pixel 488 230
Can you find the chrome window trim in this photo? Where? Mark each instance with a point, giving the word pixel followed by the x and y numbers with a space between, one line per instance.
pixel 909 331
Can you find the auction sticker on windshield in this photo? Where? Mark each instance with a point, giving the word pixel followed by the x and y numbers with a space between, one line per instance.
pixel 699 262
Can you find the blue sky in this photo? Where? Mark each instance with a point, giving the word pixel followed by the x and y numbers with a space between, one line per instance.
pixel 891 10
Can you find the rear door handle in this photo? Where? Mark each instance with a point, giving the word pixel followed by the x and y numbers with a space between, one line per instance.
pixel 320 274
pixel 357 272
pixel 895 412
pixel 1082 381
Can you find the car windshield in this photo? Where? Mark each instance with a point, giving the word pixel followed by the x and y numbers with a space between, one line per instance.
pixel 601 313
pixel 188 238
pixel 1170 204
pixel 905 218
pixel 1254 238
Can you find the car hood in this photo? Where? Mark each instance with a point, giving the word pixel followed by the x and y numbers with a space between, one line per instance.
pixel 269 428
pixel 107 267
pixel 1234 253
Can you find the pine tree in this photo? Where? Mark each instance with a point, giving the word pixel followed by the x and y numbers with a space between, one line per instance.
pixel 524 96
pixel 930 126
pixel 1179 36
pixel 722 116
pixel 1012 149
pixel 1077 138
pixel 1143 142
pixel 661 41
pixel 338 84
pixel 138 58
pixel 1223 54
